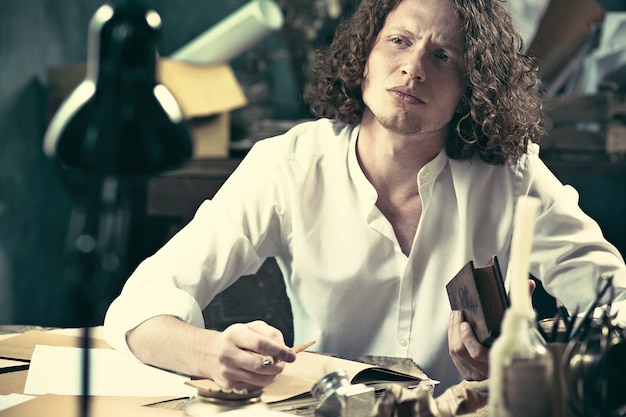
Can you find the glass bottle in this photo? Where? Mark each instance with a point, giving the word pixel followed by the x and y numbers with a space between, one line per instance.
pixel 520 365
pixel 520 368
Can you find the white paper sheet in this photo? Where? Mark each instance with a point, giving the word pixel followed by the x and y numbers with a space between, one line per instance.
pixel 57 370
pixel 10 400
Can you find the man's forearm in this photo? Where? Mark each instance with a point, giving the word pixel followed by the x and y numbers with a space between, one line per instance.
pixel 169 343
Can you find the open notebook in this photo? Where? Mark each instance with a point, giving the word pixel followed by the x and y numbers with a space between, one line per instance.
pixel 292 388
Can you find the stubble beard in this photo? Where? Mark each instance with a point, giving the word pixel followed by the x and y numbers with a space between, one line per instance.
pixel 400 123
pixel 404 123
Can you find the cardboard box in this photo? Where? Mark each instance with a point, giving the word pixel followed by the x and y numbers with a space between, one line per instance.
pixel 587 123
pixel 206 95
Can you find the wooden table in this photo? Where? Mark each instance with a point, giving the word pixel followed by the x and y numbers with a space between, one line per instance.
pixel 13 382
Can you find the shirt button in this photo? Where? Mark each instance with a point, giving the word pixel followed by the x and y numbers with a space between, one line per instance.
pixel 403 342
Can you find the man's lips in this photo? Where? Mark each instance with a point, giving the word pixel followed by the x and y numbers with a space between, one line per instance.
pixel 407 94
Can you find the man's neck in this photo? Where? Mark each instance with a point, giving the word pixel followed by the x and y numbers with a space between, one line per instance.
pixel 391 163
pixel 390 159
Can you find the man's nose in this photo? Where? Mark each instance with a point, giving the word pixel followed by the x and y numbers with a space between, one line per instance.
pixel 414 66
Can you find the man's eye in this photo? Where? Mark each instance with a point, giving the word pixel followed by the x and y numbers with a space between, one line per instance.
pixel 397 41
pixel 442 56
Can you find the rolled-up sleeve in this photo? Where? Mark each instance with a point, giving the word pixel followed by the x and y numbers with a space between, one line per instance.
pixel 228 237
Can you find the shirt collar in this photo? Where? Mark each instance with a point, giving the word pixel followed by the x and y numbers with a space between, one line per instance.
pixel 364 188
pixel 425 177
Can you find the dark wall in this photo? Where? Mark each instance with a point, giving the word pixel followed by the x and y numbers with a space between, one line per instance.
pixel 34 202
pixel 603 197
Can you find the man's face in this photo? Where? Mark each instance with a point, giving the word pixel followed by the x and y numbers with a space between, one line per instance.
pixel 413 78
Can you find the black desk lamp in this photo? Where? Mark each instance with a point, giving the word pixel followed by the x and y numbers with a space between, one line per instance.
pixel 120 121
pixel 116 128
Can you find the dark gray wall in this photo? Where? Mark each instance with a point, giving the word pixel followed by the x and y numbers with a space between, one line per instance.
pixel 34 203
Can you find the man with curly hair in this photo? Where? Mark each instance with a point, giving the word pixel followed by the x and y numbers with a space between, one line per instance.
pixel 429 114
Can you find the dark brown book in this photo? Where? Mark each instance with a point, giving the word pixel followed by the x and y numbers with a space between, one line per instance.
pixel 480 294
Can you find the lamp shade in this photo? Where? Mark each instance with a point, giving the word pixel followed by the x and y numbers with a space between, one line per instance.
pixel 119 120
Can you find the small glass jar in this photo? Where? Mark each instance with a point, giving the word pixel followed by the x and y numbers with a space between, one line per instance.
pixel 327 386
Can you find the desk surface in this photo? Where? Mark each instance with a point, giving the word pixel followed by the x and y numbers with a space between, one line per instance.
pixel 13 381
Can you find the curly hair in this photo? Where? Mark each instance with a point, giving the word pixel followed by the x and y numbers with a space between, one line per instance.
pixel 502 101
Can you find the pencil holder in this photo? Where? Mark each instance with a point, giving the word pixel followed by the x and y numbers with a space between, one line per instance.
pixel 594 369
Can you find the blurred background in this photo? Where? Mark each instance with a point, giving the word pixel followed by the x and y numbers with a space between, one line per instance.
pixel 36 35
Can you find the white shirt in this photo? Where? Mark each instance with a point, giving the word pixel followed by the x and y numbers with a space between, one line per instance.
pixel 303 198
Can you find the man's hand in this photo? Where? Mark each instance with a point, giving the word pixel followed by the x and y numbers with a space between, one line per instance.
pixel 233 358
pixel 469 356
pixel 239 354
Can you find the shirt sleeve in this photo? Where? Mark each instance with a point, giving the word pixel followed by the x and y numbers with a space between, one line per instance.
pixel 229 236
pixel 570 253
